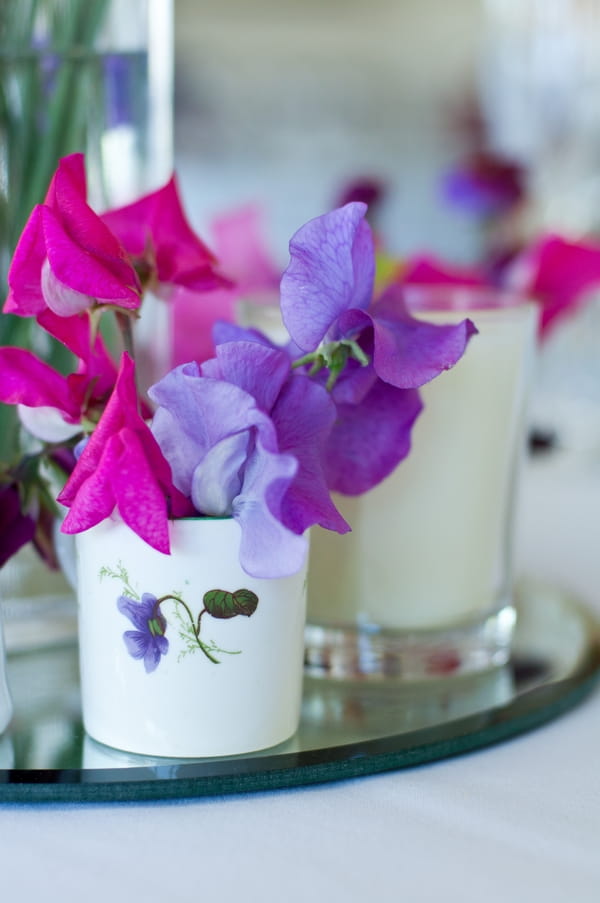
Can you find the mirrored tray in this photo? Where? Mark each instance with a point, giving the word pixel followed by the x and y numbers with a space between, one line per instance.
pixel 347 729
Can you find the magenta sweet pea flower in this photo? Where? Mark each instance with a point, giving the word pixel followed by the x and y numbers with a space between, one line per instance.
pixel 16 527
pixel 244 257
pixel 67 259
pixel 428 270
pixel 227 429
pixel 558 273
pixel 53 406
pixel 243 254
pixel 122 467
pixel 166 251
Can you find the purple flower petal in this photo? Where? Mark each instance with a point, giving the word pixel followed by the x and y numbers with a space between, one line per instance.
pixel 331 269
pixel 224 332
pixel 258 370
pixel 217 480
pixel 148 641
pixel 303 416
pixel 137 612
pixel 194 414
pixel 136 642
pixel 370 439
pixel 409 352
pixel 156 648
pixel 16 528
pixel 267 547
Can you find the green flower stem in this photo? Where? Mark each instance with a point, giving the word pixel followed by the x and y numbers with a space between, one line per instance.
pixel 334 356
pixel 195 629
pixel 126 330
pixel 75 36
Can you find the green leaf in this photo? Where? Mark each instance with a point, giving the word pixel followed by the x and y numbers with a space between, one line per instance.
pixel 246 601
pixel 220 604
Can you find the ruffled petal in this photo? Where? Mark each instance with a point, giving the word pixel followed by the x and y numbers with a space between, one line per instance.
pixel 93 499
pixel 370 439
pixel 331 269
pixel 557 273
pixel 407 352
pixel 180 257
pixel 303 417
pixel 217 479
pixel 138 494
pixel 195 413
pixel 86 272
pixel 267 548
pixel 25 379
pixel 258 370
pixel 24 276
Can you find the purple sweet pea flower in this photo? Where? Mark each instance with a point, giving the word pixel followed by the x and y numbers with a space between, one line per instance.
pixel 148 640
pixel 303 414
pixel 485 185
pixel 327 297
pixel 243 436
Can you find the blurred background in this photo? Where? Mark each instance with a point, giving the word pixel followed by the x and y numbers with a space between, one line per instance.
pixel 288 102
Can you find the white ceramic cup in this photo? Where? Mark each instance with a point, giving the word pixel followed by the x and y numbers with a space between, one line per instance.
pixel 240 693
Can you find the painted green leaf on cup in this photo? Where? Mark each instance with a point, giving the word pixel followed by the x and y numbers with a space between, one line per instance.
pixel 222 604
pixel 246 601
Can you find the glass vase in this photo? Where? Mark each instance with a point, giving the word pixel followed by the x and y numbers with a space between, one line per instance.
pixel 422 587
pixel 78 75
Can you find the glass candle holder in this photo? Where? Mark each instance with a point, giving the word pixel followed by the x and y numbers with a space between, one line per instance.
pixel 422 587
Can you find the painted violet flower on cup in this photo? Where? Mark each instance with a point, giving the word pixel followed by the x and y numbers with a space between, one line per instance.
pixel 258 433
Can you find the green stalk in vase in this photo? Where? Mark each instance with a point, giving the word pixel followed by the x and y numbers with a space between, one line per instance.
pixel 43 116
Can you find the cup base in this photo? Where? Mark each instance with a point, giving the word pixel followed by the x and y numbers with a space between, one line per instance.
pixel 373 653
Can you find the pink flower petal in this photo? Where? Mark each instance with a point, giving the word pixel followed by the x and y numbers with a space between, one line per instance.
pixel 139 497
pixel 156 224
pixel 24 276
pixel 242 252
pixel 24 379
pixel 88 272
pixel 557 273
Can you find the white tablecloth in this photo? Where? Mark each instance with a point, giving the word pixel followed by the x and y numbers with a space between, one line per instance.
pixel 519 821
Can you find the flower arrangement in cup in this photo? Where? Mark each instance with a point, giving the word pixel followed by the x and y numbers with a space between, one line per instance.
pixel 257 432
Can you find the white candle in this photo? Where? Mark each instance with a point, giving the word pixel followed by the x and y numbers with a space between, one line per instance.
pixel 430 546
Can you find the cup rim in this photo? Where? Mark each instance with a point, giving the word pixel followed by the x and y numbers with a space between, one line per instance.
pixel 461 298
